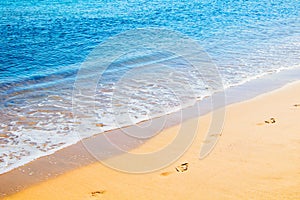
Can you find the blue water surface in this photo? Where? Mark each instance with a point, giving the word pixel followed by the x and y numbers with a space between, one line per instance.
pixel 37 36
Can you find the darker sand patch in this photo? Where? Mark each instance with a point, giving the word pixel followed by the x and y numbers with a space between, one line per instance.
pixel 166 173
pixel 98 193
pixel 100 125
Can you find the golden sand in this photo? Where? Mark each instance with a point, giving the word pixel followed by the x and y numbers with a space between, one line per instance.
pixel 256 158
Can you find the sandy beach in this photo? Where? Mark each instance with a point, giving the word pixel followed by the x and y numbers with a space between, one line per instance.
pixel 257 157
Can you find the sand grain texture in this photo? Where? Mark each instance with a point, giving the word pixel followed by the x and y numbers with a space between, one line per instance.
pixel 252 160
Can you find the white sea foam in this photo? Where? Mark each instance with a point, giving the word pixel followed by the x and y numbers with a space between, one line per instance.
pixel 40 129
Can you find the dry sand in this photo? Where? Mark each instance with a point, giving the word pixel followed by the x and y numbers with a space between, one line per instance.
pixel 253 159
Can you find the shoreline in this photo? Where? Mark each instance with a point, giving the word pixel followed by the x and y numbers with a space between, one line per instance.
pixel 253 159
pixel 279 77
pixel 53 165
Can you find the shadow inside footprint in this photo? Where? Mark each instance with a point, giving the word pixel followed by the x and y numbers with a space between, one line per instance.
pixel 98 192
pixel 270 121
pixel 182 168
pixel 296 105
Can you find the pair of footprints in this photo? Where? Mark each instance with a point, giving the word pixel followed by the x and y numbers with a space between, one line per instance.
pixel 272 120
pixel 184 166
pixel 269 121
pixel 180 168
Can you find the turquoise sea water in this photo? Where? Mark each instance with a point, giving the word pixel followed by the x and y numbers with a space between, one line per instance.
pixel 42 44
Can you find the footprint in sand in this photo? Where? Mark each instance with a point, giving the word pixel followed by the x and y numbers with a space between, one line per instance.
pixel 296 105
pixel 270 121
pixel 183 167
pixel 180 168
pixel 97 193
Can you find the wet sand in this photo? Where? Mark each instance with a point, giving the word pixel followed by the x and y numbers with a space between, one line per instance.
pixel 257 157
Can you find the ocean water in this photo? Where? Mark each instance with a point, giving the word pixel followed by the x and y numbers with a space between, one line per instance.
pixel 43 44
